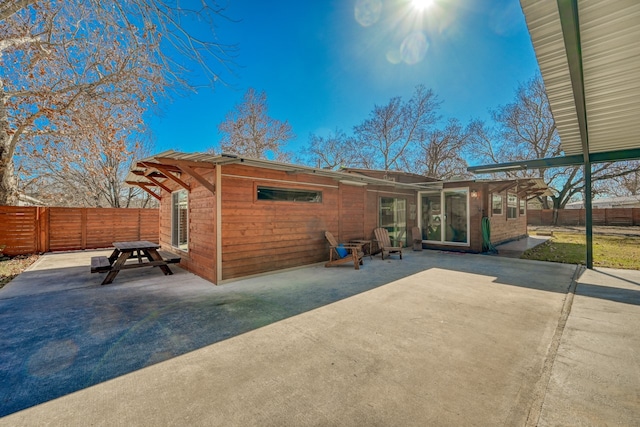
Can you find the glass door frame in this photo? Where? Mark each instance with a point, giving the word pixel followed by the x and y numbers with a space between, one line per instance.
pixel 398 225
pixel 444 221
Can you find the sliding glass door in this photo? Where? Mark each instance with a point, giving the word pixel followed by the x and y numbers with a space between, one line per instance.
pixel 456 218
pixel 393 216
pixel 445 216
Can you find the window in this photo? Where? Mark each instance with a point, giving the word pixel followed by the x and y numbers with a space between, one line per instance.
pixel 496 204
pixel 512 206
pixel 289 195
pixel 523 207
pixel 179 220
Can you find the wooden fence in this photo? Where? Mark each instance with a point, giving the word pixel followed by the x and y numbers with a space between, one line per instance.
pixel 26 230
pixel 572 217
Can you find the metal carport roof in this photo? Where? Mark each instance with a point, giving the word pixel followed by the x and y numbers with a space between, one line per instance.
pixel 589 57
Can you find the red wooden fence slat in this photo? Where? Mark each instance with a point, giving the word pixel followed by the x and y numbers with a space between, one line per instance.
pixel 622 217
pixel 26 230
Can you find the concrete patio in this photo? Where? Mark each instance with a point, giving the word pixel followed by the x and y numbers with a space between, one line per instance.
pixel 435 339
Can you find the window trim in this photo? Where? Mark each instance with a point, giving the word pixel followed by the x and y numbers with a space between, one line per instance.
pixel 493 197
pixel 510 198
pixel 522 207
pixel 441 196
pixel 176 244
pixel 301 191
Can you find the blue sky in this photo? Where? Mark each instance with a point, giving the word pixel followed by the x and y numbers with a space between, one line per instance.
pixel 325 64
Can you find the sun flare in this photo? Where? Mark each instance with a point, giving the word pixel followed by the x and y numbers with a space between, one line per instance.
pixel 422 4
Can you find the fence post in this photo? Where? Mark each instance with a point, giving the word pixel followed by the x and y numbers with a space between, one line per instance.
pixel 43 229
pixel 83 227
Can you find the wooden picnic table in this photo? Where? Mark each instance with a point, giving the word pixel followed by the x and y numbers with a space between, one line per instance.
pixel 146 254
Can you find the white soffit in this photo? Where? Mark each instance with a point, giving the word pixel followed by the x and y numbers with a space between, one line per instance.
pixel 610 43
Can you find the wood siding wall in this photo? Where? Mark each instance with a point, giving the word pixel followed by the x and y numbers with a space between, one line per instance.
pixel 261 235
pixel 200 259
pixel 576 217
pixel 504 229
pixel 25 230
pixel 477 209
pixel 351 212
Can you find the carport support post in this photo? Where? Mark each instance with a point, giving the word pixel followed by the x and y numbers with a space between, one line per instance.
pixel 588 213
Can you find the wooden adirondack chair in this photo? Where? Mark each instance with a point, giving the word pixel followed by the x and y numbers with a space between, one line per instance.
pixel 384 243
pixel 340 253
pixel 416 238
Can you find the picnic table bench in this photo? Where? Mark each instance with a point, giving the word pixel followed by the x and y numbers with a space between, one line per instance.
pixel 146 253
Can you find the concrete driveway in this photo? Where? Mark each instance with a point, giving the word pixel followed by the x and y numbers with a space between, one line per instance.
pixel 434 339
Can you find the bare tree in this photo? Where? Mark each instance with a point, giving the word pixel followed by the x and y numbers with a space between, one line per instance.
pixel 57 57
pixel 525 129
pixel 624 185
pixel 385 138
pixel 334 151
pixel 87 170
pixel 249 131
pixel 441 153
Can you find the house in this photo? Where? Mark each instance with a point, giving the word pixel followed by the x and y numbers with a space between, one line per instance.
pixel 608 202
pixel 26 200
pixel 230 217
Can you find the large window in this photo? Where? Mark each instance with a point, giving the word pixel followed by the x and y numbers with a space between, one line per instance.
pixel 289 195
pixel 496 204
pixel 512 206
pixel 179 220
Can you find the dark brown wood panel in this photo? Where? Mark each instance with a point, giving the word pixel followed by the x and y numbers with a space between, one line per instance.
pixel 18 230
pixel 260 236
pixel 352 206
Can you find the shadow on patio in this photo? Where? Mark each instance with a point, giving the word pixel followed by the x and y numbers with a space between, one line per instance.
pixel 64 332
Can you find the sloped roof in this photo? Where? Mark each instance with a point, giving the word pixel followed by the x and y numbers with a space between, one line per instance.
pixel 157 166
pixel 589 57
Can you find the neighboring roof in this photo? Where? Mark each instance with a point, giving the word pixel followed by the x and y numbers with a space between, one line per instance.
pixel 153 170
pixel 25 200
pixel 609 201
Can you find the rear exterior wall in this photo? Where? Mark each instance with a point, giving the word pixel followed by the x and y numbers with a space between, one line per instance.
pixel 259 236
pixel 264 235
pixel 504 229
pixel 200 258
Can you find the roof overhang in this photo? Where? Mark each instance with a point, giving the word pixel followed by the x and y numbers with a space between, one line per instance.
pixel 589 58
pixel 154 171
pixel 553 162
pixel 524 187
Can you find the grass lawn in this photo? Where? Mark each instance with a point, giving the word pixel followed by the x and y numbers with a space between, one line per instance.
pixel 613 251
pixel 11 267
